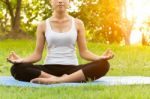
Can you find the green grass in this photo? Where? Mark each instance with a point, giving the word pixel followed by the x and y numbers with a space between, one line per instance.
pixel 128 60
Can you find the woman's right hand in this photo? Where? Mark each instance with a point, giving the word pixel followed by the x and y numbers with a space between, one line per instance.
pixel 14 58
pixel 108 54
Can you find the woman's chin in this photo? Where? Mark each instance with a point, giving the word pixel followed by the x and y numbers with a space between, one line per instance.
pixel 60 10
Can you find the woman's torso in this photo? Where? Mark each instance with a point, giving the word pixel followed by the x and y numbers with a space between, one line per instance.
pixel 61 45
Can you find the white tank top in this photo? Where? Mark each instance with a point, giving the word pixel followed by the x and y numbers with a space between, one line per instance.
pixel 61 46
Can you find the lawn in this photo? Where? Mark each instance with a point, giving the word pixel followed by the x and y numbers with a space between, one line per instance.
pixel 128 60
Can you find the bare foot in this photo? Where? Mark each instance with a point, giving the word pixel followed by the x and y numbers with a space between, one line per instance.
pixel 64 75
pixel 50 80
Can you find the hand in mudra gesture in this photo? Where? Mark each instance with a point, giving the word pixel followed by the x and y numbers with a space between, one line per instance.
pixel 14 58
pixel 108 54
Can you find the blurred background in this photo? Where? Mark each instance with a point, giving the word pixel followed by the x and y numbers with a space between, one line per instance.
pixel 123 22
pixel 120 25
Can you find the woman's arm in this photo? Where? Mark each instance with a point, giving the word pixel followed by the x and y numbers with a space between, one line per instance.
pixel 40 42
pixel 37 54
pixel 83 50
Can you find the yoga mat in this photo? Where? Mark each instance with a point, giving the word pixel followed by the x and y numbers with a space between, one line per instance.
pixel 107 80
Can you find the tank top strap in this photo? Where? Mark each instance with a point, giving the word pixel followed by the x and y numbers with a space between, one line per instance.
pixel 73 24
pixel 47 24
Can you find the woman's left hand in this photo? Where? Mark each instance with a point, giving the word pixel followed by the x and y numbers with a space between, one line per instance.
pixel 108 54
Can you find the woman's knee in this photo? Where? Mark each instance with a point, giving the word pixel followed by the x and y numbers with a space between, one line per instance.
pixel 97 69
pixel 102 65
pixel 17 69
pixel 105 65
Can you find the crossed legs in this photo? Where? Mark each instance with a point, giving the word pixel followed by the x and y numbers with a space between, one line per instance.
pixel 40 74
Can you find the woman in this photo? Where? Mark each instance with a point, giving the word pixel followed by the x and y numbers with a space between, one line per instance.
pixel 60 31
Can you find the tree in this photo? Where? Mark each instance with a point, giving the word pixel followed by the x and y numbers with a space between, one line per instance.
pixel 102 19
pixel 126 28
pixel 3 19
pixel 22 14
pixel 126 25
pixel 34 11
pixel 14 7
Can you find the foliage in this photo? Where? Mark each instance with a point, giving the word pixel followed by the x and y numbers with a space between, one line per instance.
pixel 33 12
pixel 101 17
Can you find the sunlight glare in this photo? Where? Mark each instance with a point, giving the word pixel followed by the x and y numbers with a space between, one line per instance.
pixel 136 37
pixel 139 11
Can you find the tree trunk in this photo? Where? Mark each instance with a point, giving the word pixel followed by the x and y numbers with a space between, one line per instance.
pixel 126 25
pixel 15 31
pixel 15 16
pixel 16 21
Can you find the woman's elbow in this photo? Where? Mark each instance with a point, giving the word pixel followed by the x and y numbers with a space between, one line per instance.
pixel 37 57
pixel 83 55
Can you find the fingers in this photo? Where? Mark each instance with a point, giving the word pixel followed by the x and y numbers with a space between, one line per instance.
pixel 10 56
pixel 111 55
pixel 13 58
pixel 9 60
pixel 14 61
pixel 108 54
pixel 14 55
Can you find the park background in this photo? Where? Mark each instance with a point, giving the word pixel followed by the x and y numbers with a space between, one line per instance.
pixel 120 25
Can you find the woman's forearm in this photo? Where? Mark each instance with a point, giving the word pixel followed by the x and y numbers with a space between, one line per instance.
pixel 32 58
pixel 87 55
